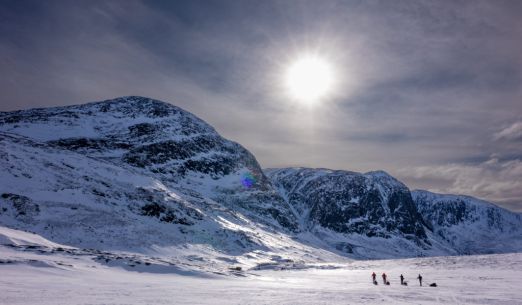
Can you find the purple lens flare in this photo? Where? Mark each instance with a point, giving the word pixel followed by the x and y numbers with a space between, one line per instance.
pixel 248 180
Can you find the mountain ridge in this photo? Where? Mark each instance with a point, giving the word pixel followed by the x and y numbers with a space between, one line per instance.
pixel 163 173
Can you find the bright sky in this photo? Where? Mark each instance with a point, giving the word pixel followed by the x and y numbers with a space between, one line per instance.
pixel 430 91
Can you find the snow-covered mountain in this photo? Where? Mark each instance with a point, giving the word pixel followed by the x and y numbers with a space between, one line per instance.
pixel 160 139
pixel 135 174
pixel 372 204
pixel 362 215
pixel 138 175
pixel 470 225
pixel 357 206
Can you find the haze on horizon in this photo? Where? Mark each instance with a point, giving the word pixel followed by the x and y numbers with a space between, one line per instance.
pixel 429 91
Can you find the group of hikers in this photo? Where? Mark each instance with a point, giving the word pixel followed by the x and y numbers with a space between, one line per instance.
pixel 404 283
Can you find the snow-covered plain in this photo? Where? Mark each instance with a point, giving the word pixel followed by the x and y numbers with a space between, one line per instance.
pixel 30 275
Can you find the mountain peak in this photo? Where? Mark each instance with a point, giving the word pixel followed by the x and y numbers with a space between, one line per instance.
pixel 107 119
pixel 145 134
pixel 139 104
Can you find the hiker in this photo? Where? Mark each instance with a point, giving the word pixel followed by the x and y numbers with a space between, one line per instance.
pixel 384 278
pixel 420 279
pixel 402 279
pixel 373 278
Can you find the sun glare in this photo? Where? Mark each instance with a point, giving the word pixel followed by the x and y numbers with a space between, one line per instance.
pixel 309 79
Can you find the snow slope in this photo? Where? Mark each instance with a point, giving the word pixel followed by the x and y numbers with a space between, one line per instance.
pixel 90 203
pixel 32 275
pixel 206 205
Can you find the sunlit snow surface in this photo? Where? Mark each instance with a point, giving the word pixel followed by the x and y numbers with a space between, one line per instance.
pixel 30 274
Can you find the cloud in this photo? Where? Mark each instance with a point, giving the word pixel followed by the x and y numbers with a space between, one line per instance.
pixel 512 132
pixel 423 83
pixel 499 181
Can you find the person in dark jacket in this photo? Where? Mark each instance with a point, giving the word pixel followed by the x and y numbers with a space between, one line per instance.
pixel 420 279
pixel 402 279
pixel 373 278
pixel 384 278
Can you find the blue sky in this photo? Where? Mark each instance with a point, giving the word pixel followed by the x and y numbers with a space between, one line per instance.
pixel 430 91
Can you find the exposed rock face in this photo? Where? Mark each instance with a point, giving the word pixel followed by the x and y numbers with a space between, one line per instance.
pixel 19 207
pixel 372 204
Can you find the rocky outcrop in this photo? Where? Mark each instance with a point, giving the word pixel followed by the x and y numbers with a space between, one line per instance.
pixel 372 204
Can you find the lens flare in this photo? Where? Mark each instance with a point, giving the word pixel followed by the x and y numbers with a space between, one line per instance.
pixel 248 180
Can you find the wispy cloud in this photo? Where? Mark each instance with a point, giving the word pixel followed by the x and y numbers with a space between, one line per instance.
pixel 499 181
pixel 512 132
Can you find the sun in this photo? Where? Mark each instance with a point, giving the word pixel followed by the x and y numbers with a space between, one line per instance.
pixel 309 79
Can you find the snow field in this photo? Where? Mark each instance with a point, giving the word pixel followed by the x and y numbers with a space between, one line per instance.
pixel 59 279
